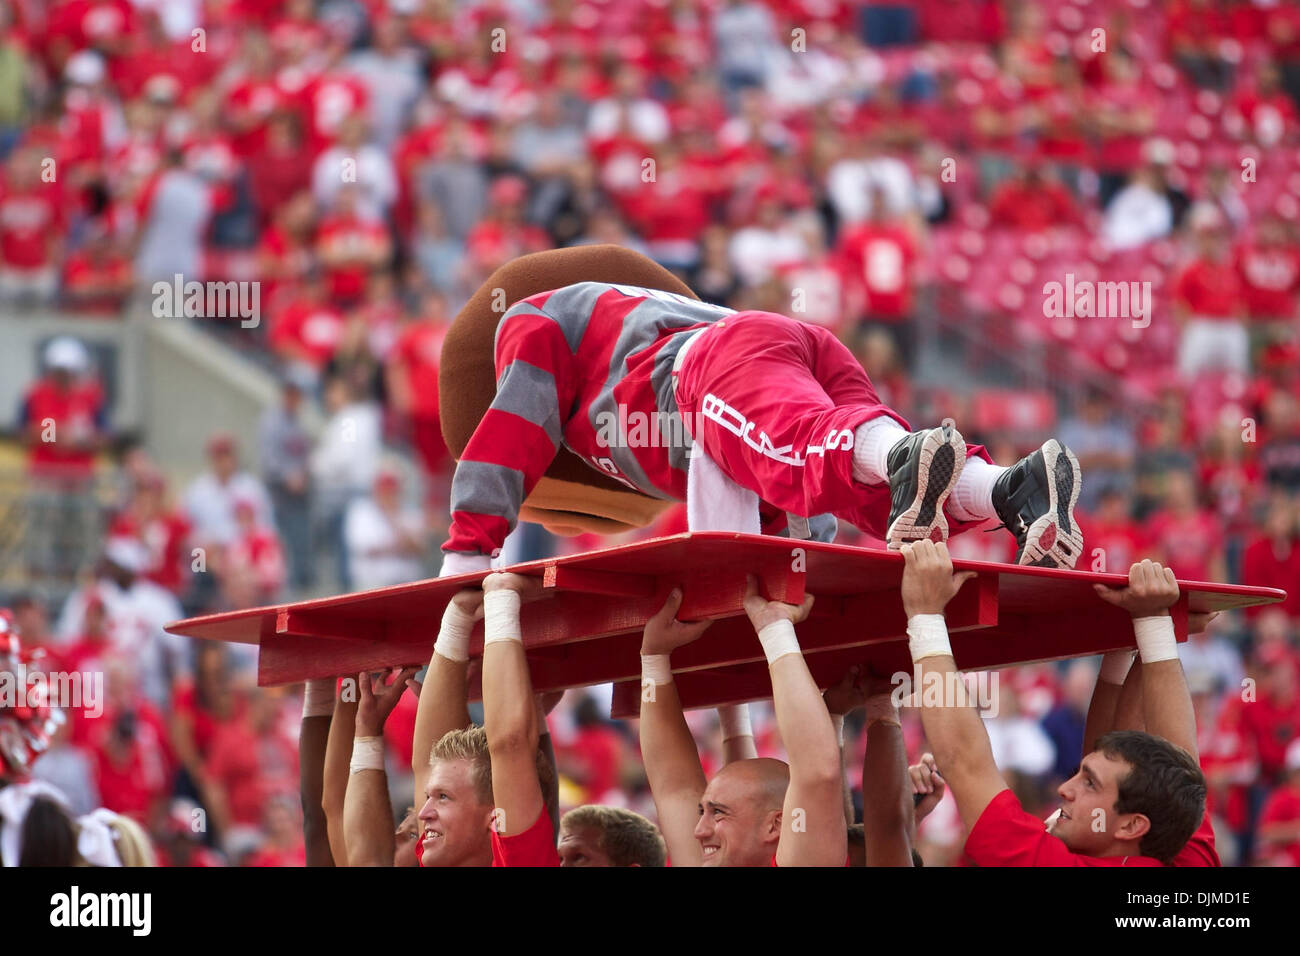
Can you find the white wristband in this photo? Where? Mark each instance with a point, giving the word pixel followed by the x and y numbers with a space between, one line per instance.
pixel 880 709
pixel 656 670
pixel 1115 666
pixel 501 617
pixel 1155 638
pixel 735 721
pixel 367 754
pixel 778 640
pixel 837 721
pixel 318 698
pixel 927 636
pixel 453 636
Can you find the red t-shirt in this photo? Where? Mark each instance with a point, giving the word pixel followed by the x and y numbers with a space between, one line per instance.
pixel 252 769
pixel 84 278
pixel 28 218
pixel 1120 541
pixel 1189 543
pixel 419 352
pixel 534 847
pixel 1283 806
pixel 355 240
pixel 267 856
pixel 1032 208
pixel 75 413
pixel 1006 835
pixel 1261 567
pixel 131 779
pixel 165 536
pixel 1210 290
pixel 329 101
pixel 877 261
pixel 1271 727
pixel 311 330
pixel 1270 276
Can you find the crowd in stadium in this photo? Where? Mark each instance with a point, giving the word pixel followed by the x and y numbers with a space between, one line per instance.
pixel 859 166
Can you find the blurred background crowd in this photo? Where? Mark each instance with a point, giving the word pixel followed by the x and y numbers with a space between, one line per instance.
pixel 909 174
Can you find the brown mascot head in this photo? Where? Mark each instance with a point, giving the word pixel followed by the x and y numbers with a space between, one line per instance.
pixel 572 497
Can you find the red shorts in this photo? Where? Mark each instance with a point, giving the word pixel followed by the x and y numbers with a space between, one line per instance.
pixel 775 402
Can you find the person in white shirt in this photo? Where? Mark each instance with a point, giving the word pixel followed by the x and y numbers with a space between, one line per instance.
pixel 353 161
pixel 385 542
pixel 344 462
pixel 628 110
pixel 1140 212
pixel 136 610
pixel 210 498
pixel 853 182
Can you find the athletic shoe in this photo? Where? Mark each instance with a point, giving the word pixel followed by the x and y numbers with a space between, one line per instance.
pixel 1035 499
pixel 923 470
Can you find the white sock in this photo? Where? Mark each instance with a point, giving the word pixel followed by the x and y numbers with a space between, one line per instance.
pixel 871 443
pixel 972 498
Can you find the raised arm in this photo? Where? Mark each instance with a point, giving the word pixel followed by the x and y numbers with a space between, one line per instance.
pixel 737 733
pixel 338 755
pixel 672 762
pixel 842 698
pixel 813 831
pixel 313 735
pixel 1105 697
pixel 443 697
pixel 1166 700
pixel 887 804
pixel 367 812
pixel 509 708
pixel 956 733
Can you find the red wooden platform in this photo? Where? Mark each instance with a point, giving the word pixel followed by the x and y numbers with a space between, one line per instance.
pixel 589 632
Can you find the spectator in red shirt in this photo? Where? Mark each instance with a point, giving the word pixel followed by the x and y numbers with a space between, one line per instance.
pixel 669 211
pixel 284 843
pixel 251 760
pixel 1279 821
pixel 133 762
pixel 1210 302
pixel 1272 558
pixel 276 170
pixel 1032 201
pixel 254 103
pixel 1114 540
pixel 1269 269
pixel 593 759
pixel 1272 720
pixel 161 528
pixel 503 234
pixel 307 328
pixel 412 380
pixel 31 228
pixel 878 258
pixel 1268 112
pixel 1184 536
pixel 256 551
pixel 63 414
pixel 287 250
pixel 351 246
pixel 97 277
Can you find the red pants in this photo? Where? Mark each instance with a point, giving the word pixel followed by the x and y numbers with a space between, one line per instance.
pixel 775 403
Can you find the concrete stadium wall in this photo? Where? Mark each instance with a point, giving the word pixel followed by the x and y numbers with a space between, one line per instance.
pixel 167 380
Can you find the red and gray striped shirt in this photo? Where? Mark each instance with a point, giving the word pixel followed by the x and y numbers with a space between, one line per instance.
pixel 588 366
